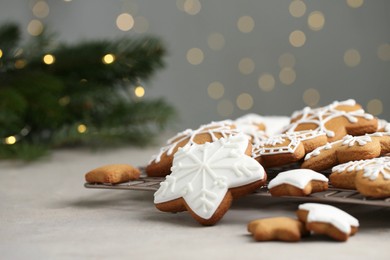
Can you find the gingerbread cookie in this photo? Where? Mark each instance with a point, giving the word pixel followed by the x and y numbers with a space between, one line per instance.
pixel 287 148
pixel 327 220
pixel 336 120
pixel 279 228
pixel 350 148
pixel 113 173
pixel 253 126
pixel 370 177
pixel 206 178
pixel 161 163
pixel 299 182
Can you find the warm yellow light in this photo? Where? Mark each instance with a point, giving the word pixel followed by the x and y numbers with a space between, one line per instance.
pixel 35 27
pixel 125 22
pixel 81 128
pixel 316 20
pixel 41 9
pixel 266 82
pixel 352 58
pixel 1 53
pixel 375 107
pixel 192 7
pixel 297 38
pixel 287 76
pixel 195 56
pixel 10 140
pixel 216 90
pixel 64 101
pixel 297 8
pixel 108 59
pixel 20 64
pixel 244 101
pixel 216 41
pixel 355 3
pixel 383 52
pixel 246 66
pixel 139 91
pixel 48 59
pixel 245 24
pixel 311 97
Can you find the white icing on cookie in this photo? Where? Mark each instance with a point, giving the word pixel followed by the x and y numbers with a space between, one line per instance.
pixel 202 174
pixel 331 215
pixel 269 146
pixel 320 116
pixel 371 167
pixel 360 140
pixel 249 125
pixel 298 178
pixel 223 127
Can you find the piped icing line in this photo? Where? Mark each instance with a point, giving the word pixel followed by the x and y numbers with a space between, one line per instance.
pixel 331 215
pixel 249 125
pixel 320 116
pixel 223 127
pixel 372 168
pixel 298 178
pixel 202 174
pixel 347 140
pixel 270 145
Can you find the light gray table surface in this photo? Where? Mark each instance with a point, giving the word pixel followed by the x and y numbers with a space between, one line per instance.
pixel 46 213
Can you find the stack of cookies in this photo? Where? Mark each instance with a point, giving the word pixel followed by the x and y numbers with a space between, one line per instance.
pixel 208 167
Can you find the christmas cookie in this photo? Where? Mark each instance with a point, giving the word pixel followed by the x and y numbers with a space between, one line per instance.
pixel 206 178
pixel 327 220
pixel 113 173
pixel 253 126
pixel 161 163
pixel 370 177
pixel 350 148
pixel 287 148
pixel 299 182
pixel 336 120
pixel 279 228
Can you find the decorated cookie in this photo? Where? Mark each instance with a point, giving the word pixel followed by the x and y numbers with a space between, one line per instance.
pixel 299 182
pixel 279 228
pixel 350 148
pixel 206 178
pixel 370 177
pixel 327 220
pixel 287 148
pixel 113 173
pixel 253 126
pixel 161 163
pixel 336 120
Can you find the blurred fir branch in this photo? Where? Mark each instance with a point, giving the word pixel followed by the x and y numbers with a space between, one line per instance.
pixel 78 99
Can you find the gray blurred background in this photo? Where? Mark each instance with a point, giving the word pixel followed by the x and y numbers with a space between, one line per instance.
pixel 228 58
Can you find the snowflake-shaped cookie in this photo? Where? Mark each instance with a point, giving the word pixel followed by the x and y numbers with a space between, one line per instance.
pixel 336 120
pixel 203 174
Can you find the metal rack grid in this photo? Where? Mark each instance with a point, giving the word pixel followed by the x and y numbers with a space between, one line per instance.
pixel 332 195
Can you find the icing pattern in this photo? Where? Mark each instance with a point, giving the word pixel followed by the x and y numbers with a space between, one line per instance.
pixel 371 167
pixel 347 140
pixel 249 125
pixel 329 214
pixel 267 147
pixel 223 127
pixel 298 178
pixel 202 174
pixel 320 116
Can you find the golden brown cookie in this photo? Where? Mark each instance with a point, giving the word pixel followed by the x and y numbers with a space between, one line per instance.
pixel 298 182
pixel 370 177
pixel 253 126
pixel 161 163
pixel 278 228
pixel 327 220
pixel 287 148
pixel 206 178
pixel 336 120
pixel 350 148
pixel 113 173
